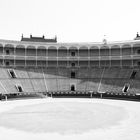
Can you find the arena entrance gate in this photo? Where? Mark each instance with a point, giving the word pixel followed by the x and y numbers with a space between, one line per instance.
pixel 72 87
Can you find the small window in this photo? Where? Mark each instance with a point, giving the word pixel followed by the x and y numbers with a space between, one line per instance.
pixel 7 52
pixel 133 75
pixel 126 88
pixel 12 73
pixel 72 53
pixel 72 74
pixel 19 88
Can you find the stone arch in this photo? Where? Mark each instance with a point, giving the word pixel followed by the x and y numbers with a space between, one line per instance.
pixel 83 51
pixel 104 51
pixel 94 51
pixel 126 49
pixel 115 50
pixel 52 51
pixel 136 49
pixel 73 51
pixel 41 51
pixel 62 51
pixel 20 50
pixel 1 49
pixel 31 50
pixel 9 49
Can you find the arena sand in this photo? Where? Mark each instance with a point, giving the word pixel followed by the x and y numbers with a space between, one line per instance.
pixel 67 119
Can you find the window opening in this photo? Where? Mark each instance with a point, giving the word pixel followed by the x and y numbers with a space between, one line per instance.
pixel 73 64
pixel 126 88
pixel 133 75
pixel 72 53
pixel 12 73
pixel 19 88
pixel 7 63
pixel 138 63
pixel 72 74
pixel 7 52
pixel 138 51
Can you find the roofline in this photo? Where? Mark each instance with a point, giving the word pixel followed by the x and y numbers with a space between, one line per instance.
pixel 70 43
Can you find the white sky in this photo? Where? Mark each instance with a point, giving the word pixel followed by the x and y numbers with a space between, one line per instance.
pixel 70 20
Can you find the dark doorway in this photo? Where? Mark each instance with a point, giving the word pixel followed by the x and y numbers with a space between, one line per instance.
pixel 72 87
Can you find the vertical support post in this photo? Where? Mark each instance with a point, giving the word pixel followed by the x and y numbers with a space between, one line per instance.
pixel 36 55
pixel 78 57
pixel 101 95
pixel 3 56
pixel 121 56
pixel 110 56
pixel 47 57
pixel 5 97
pixel 57 56
pixel 90 95
pixel 99 57
pixel 14 56
pixel 132 55
pixel 67 57
pixel 25 55
pixel 88 58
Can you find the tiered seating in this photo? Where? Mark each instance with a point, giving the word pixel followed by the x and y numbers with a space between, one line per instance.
pixel 35 73
pixel 82 85
pixel 21 73
pixel 38 85
pixel 51 79
pixel 27 85
pixel 40 80
pixel 37 79
pixel 63 80
pixel 4 73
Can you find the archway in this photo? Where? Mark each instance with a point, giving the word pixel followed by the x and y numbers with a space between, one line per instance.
pixel 72 87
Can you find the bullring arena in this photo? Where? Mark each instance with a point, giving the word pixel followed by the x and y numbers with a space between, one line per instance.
pixel 69 90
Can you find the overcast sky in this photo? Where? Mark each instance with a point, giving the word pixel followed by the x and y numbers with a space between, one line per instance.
pixel 70 20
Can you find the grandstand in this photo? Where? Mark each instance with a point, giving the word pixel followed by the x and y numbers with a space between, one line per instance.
pixel 43 67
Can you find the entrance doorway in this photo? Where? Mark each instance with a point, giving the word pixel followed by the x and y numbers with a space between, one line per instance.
pixel 72 87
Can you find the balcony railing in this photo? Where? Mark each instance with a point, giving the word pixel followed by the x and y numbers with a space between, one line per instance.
pixel 70 58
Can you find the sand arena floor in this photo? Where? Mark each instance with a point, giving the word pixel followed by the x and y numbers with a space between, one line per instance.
pixel 84 119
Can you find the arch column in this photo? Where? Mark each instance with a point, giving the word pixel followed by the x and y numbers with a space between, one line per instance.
pixel 46 57
pixel 25 55
pixel 109 56
pixel 67 57
pixel 99 56
pixel 57 57
pixel 14 56
pixel 36 55
pixel 121 56
pixel 88 58
pixel 78 57
pixel 132 55
pixel 3 56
